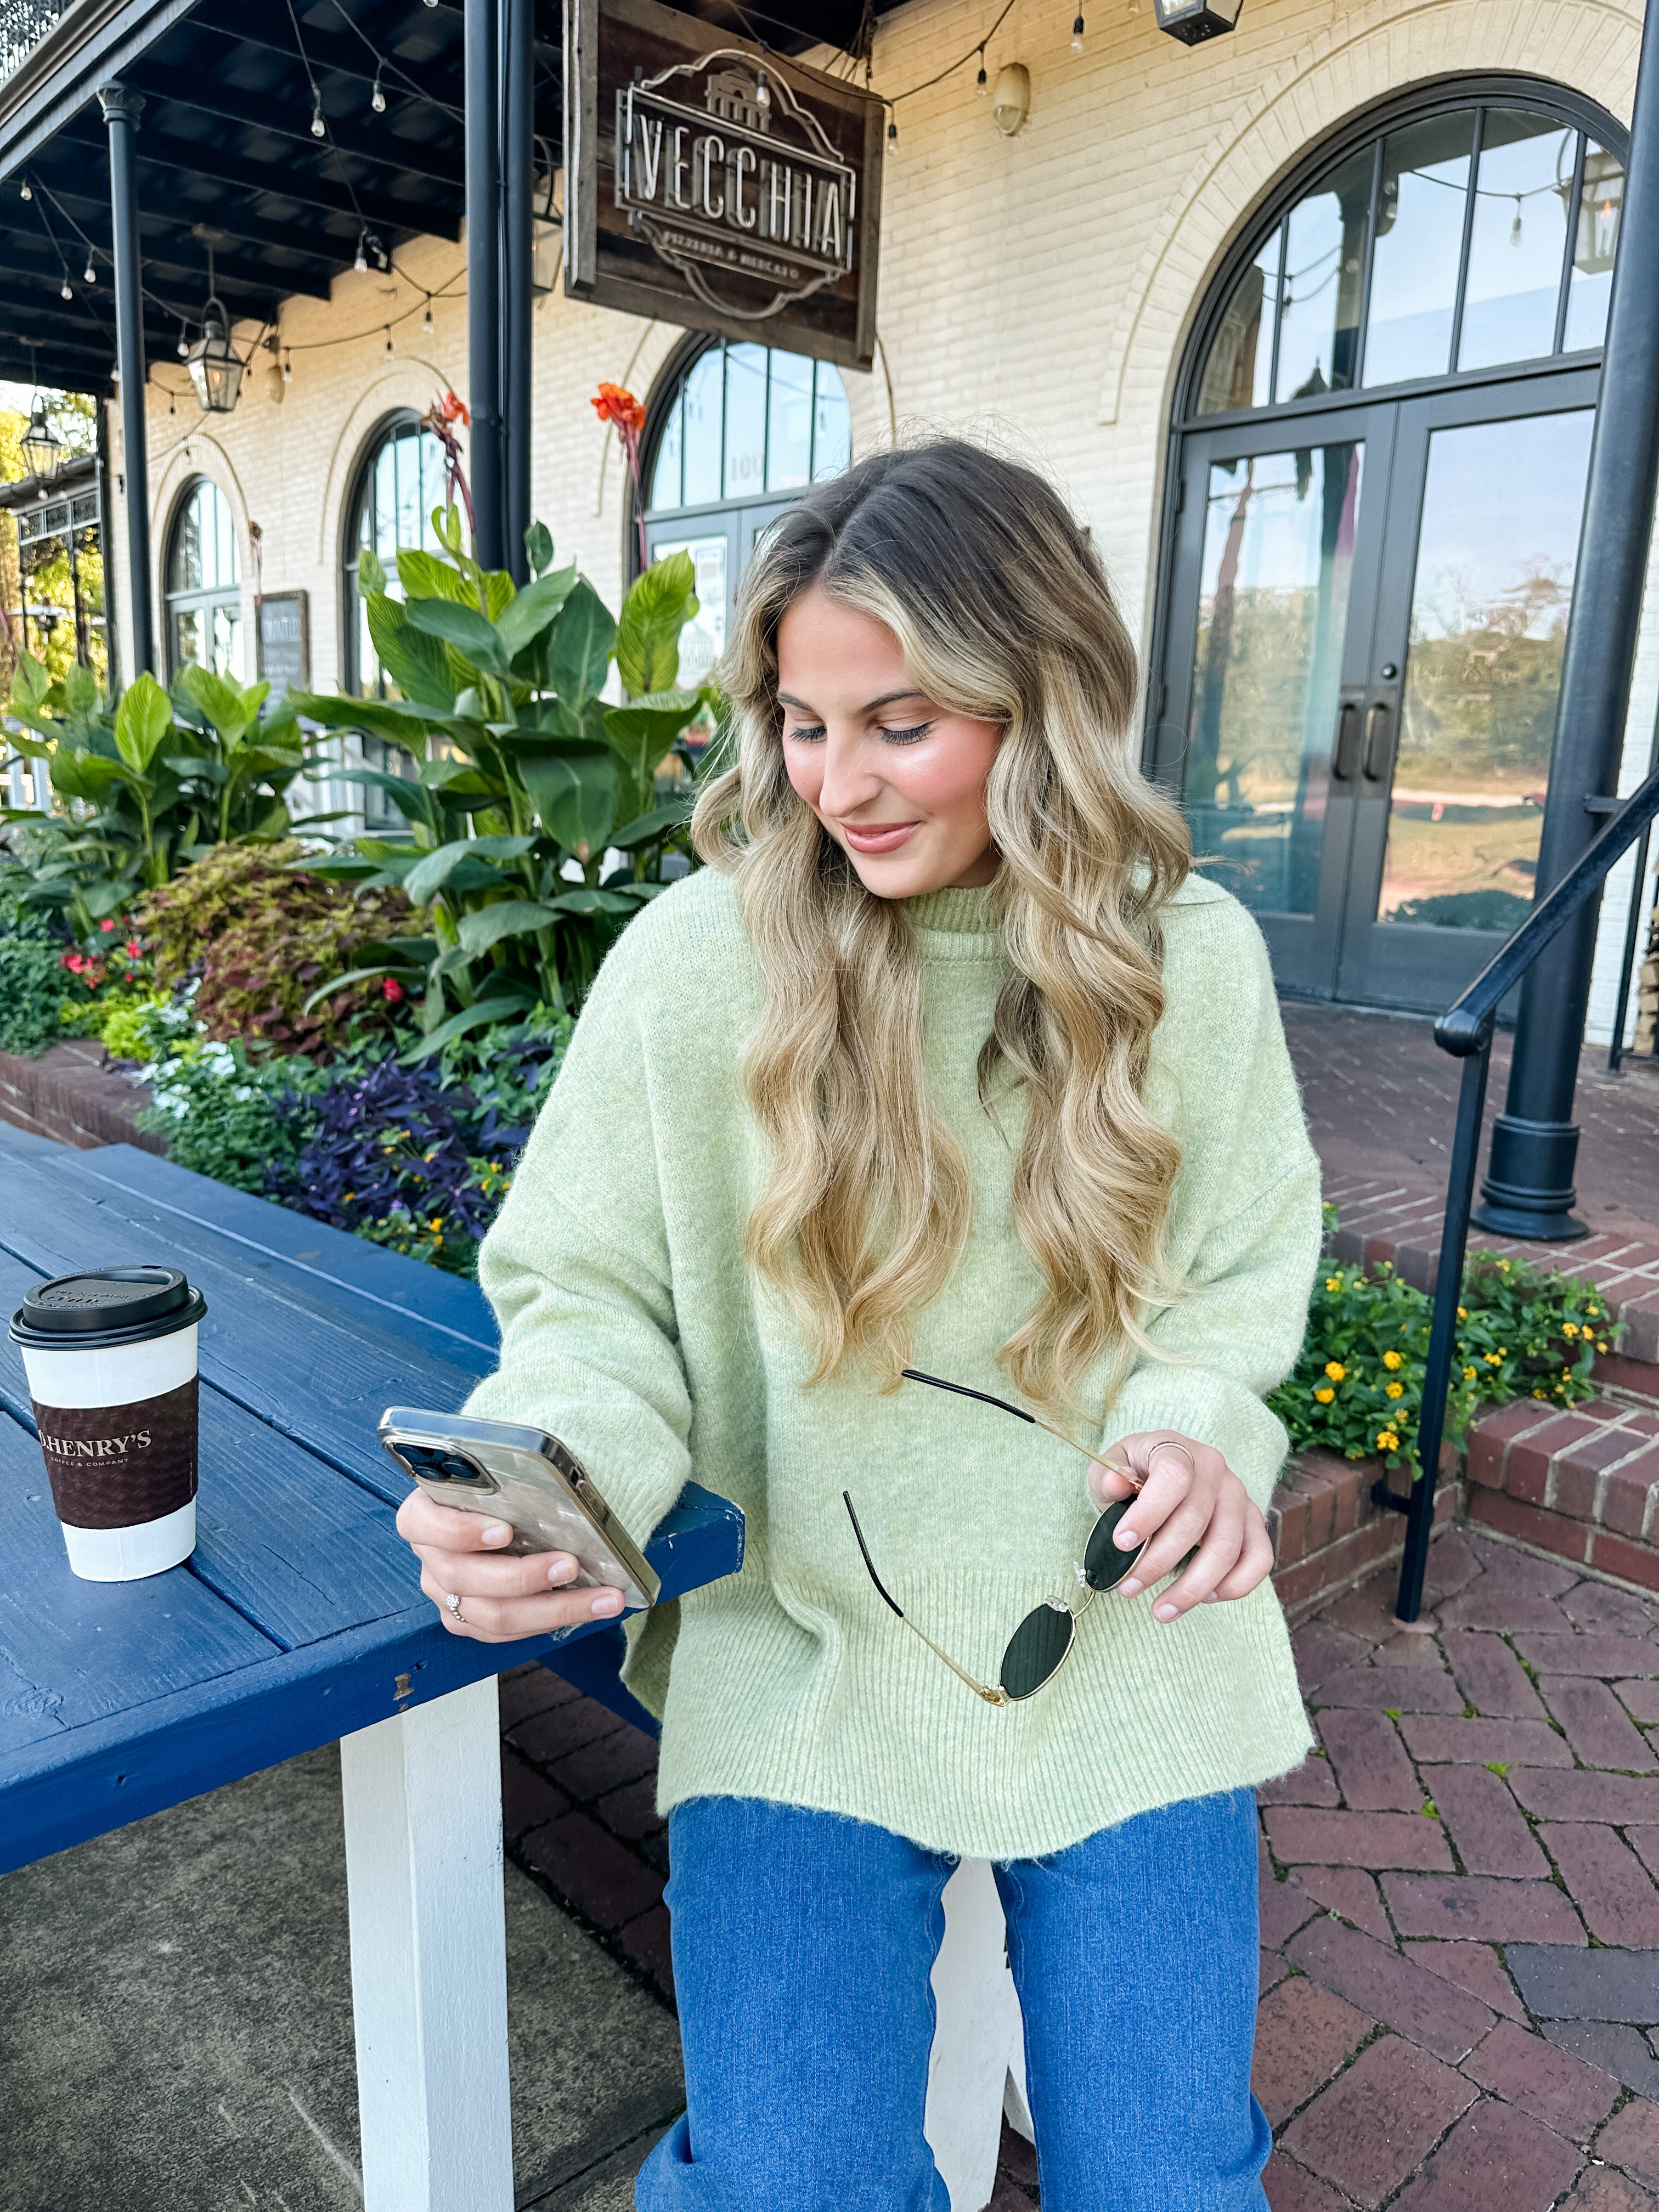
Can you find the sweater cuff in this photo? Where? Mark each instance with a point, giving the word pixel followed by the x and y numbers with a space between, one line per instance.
pixel 1213 1409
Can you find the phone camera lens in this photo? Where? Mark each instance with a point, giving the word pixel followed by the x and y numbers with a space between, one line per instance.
pixel 454 1469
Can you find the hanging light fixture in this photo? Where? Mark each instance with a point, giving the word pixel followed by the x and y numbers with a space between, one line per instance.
pixel 90 275
pixel 980 85
pixel 216 367
pixel 763 90
pixel 362 262
pixel 1192 21
pixel 1010 103
pixel 377 97
pixel 26 189
pixel 319 128
pixel 43 449
pixel 1077 36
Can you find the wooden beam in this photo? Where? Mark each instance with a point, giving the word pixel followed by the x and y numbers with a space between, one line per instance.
pixel 287 115
pixel 168 237
pixel 264 282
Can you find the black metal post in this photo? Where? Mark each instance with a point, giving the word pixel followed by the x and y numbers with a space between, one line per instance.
pixel 484 273
pixel 122 110
pixel 1529 1186
pixel 518 160
pixel 1443 1342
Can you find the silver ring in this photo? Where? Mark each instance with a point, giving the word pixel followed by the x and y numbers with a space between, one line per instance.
pixel 1169 1444
pixel 454 1604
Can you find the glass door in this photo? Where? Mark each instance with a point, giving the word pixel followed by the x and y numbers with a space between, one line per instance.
pixel 1268 692
pixel 1471 625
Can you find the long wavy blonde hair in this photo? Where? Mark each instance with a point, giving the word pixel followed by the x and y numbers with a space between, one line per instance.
pixel 1003 612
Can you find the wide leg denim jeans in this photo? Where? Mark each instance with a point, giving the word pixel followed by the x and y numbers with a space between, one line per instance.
pixel 802 1945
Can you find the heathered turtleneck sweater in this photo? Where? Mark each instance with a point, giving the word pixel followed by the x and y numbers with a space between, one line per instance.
pixel 633 1327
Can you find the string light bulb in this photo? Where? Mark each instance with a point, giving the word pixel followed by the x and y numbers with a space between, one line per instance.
pixel 26 189
pixel 1077 36
pixel 981 84
pixel 377 97
pixel 892 132
pixel 319 128
pixel 66 290
pixel 426 319
pixel 388 338
pixel 1515 228
pixel 763 90
pixel 90 273
pixel 287 368
pixel 183 347
pixel 362 262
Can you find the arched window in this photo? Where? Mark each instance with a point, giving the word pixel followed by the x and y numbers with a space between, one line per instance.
pixel 1381 438
pixel 399 480
pixel 739 431
pixel 205 591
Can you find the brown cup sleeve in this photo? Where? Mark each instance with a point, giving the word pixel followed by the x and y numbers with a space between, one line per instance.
pixel 114 1466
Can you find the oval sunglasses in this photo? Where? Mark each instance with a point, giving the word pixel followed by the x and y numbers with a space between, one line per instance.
pixel 1040 1645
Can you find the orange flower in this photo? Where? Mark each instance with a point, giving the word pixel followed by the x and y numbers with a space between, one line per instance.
pixel 452 408
pixel 614 405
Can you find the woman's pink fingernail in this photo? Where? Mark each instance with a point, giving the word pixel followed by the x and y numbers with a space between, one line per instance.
pixel 561 1571
pixel 1129 1588
pixel 497 1533
pixel 1166 1613
pixel 607 1602
pixel 1125 1539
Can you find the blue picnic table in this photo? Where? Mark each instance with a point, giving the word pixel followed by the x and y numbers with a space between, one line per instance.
pixel 298 1620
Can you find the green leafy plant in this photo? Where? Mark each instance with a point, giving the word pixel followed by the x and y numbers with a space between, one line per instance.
pixel 262 932
pixel 224 1111
pixel 32 990
pixel 1357 1388
pixel 145 785
pixel 525 779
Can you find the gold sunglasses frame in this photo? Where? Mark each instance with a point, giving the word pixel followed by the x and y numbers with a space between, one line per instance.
pixel 997 1694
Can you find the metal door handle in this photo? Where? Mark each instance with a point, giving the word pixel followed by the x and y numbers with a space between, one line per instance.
pixel 1347 744
pixel 1376 742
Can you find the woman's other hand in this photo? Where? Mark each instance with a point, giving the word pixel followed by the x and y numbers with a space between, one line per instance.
pixel 1190 1501
pixel 501 1599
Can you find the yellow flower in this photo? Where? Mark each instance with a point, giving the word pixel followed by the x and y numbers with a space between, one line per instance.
pixel 436 1222
pixel 1391 1359
pixel 1469 1374
pixel 1324 1396
pixel 1540 1394
pixel 1493 1358
pixel 1600 1346
pixel 1386 1441
pixel 1462 1313
pixel 1333 1282
pixel 1335 1369
pixel 1570 1329
pixel 1396 1390
pixel 1594 1312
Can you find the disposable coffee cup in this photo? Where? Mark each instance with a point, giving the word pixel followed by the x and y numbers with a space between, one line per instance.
pixel 111 1359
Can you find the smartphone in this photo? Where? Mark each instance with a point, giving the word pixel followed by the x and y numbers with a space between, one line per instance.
pixel 529 1478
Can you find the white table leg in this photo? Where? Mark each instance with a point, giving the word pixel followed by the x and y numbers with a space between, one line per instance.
pixel 978 2037
pixel 422 1799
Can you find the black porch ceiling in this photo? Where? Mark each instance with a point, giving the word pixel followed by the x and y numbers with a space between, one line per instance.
pixel 228 161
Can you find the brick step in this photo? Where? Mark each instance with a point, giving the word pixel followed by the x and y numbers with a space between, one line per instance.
pixel 1328 1534
pixel 70 1095
pixel 1583 1484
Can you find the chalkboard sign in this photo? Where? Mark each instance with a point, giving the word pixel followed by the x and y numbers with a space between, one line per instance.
pixel 284 645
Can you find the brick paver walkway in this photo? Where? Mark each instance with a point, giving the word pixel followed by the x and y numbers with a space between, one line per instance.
pixel 1460 1921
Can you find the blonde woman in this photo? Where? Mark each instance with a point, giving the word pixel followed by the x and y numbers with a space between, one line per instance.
pixel 944 1071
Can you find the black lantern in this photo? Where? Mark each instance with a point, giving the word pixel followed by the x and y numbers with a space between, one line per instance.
pixel 43 449
pixel 1192 21
pixel 216 367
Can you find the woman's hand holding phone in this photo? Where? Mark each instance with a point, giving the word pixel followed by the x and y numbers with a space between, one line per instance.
pixel 501 1599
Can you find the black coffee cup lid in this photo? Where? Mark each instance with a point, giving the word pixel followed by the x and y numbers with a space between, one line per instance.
pixel 106 1306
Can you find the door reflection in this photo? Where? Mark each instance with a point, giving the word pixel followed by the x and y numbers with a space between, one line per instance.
pixel 1279 537
pixel 1497 548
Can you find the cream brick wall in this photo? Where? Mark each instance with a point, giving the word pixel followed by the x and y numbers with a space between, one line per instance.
pixel 1037 290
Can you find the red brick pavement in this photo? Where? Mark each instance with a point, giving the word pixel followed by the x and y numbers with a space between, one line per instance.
pixel 1460 1920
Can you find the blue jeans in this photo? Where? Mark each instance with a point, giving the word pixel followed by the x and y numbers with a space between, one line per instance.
pixel 802 1945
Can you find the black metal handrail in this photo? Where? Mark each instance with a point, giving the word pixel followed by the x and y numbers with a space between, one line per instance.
pixel 1465 1029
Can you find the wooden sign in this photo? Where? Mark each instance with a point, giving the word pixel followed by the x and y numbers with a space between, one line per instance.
pixel 283 642
pixel 713 185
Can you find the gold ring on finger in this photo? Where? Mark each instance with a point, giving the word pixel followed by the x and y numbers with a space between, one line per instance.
pixel 1169 1444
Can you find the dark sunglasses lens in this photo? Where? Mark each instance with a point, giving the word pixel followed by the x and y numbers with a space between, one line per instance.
pixel 1036 1650
pixel 1103 1565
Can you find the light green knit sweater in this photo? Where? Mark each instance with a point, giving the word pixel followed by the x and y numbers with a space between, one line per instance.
pixel 632 1327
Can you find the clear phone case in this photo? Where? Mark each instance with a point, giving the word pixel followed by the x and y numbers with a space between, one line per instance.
pixel 529 1478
